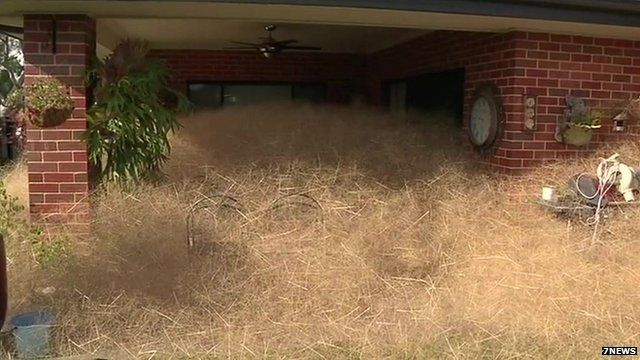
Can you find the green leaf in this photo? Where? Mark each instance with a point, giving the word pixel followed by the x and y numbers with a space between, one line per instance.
pixel 129 124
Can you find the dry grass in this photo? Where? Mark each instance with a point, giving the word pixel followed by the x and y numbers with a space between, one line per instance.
pixel 413 253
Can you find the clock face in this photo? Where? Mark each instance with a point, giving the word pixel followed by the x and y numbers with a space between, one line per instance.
pixel 484 119
pixel 480 123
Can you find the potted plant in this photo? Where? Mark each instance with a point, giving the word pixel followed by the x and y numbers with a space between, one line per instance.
pixel 579 123
pixel 46 103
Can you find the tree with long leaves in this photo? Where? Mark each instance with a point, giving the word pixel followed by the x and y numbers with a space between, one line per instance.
pixel 134 113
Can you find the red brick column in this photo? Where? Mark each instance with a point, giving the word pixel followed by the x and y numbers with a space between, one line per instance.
pixel 57 157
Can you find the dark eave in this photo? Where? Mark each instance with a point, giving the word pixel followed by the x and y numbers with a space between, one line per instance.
pixel 11 31
pixel 608 12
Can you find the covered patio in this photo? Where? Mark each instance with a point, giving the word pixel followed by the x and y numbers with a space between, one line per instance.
pixel 321 201
pixel 371 51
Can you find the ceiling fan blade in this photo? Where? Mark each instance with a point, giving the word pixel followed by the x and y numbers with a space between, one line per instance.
pixel 239 48
pixel 297 47
pixel 246 44
pixel 286 42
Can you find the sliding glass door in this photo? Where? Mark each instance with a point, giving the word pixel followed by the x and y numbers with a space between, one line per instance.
pixel 207 95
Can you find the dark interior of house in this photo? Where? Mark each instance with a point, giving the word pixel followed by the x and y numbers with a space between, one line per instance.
pixel 438 91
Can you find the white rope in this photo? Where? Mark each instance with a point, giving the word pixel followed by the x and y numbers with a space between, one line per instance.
pixel 607 177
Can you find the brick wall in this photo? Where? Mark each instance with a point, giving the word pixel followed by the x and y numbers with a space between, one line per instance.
pixel 57 158
pixel 343 74
pixel 603 71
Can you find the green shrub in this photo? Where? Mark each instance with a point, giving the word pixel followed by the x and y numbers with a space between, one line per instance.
pixel 53 252
pixel 11 69
pixel 10 211
pixel 134 113
pixel 47 252
pixel 15 99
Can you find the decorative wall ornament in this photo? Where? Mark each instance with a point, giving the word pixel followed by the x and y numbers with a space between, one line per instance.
pixel 578 123
pixel 530 112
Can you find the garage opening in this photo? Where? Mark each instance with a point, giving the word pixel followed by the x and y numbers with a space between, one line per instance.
pixel 438 91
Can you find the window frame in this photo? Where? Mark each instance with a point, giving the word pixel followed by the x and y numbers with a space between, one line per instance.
pixel 223 83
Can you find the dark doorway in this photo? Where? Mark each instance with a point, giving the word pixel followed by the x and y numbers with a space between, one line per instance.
pixel 439 91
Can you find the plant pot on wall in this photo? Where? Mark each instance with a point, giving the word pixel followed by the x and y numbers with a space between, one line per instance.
pixel 578 125
pixel 46 103
pixel 48 117
pixel 577 135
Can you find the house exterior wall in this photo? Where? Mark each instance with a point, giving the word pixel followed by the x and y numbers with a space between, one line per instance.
pixel 604 72
pixel 57 157
pixel 343 74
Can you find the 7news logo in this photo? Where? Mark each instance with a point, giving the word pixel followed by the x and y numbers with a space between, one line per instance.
pixel 619 351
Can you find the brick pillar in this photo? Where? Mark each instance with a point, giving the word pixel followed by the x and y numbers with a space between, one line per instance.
pixel 57 157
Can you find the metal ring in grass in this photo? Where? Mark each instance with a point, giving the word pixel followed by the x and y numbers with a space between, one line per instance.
pixel 280 202
pixel 208 202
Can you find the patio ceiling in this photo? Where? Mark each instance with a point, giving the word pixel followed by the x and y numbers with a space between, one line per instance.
pixel 206 24
pixel 216 34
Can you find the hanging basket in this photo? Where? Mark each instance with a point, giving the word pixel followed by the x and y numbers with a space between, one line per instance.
pixel 578 134
pixel 49 117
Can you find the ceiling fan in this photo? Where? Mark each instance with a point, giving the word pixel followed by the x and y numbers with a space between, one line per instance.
pixel 270 46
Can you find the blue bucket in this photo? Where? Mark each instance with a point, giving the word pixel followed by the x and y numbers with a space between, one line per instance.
pixel 32 332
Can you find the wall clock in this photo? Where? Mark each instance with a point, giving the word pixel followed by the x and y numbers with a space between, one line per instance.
pixel 485 118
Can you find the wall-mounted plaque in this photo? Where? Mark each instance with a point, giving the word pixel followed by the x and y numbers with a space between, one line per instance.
pixel 530 112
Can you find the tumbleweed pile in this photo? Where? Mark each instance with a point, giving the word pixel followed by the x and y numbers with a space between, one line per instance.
pixel 337 233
